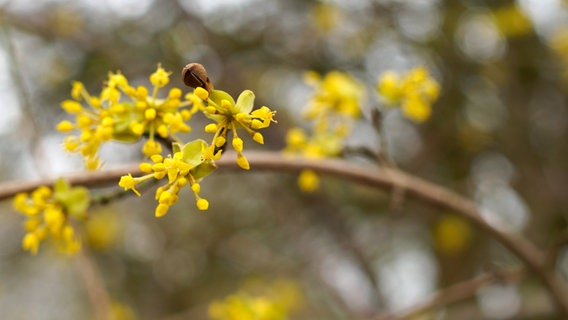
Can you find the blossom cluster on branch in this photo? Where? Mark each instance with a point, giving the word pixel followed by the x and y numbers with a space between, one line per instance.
pixel 126 113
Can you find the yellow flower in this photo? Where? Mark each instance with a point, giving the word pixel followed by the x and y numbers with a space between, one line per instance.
pixel 416 109
pixel 49 213
pixel 452 235
pixel 415 92
pixel 231 115
pixel 31 243
pixel 160 77
pixel 512 21
pixel 389 87
pixel 125 113
pixel 186 167
pixel 308 181
pixel 336 93
pixel 326 16
pixel 102 230
pixel 333 109
pixel 129 183
pixel 261 301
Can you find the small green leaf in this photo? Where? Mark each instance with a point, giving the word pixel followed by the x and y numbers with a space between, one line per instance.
pixel 245 102
pixel 176 147
pixel 191 152
pixel 76 200
pixel 216 117
pixel 121 127
pixel 61 186
pixel 78 203
pixel 217 96
pixel 203 170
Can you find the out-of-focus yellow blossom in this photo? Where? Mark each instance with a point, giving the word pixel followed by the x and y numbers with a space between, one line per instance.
pixel 319 145
pixel 326 16
pixel 308 181
pixel 451 234
pixel 119 311
pixel 272 301
pixel 186 167
pixel 337 97
pixel 512 21
pixel 110 117
pixel 415 92
pixel 231 115
pixel 49 212
pixel 102 230
pixel 333 110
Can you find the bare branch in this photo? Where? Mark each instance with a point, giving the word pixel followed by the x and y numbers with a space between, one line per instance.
pixel 382 178
pixel 456 293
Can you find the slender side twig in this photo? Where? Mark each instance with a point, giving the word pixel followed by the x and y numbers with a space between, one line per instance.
pixel 456 293
pixel 31 122
pixel 94 285
pixel 384 159
pixel 382 178
pixel 337 228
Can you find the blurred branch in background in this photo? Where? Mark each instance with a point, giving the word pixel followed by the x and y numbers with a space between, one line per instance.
pixel 456 293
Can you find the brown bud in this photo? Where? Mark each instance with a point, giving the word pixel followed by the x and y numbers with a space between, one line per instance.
pixel 194 75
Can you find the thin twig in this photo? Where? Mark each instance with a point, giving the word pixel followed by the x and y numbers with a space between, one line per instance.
pixel 456 293
pixel 382 178
pixel 94 285
pixel 29 121
pixel 341 233
pixel 384 159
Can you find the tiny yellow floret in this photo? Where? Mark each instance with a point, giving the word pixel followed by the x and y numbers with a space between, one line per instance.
pixel 201 93
pixel 243 162
pixel 71 106
pixel 145 167
pixel 160 78
pixel 238 144
pixel 202 204
pixel 128 183
pixel 65 126
pixel 150 114
pixel 31 243
pixel 258 137
pixel 211 128
pixel 308 181
pixel 161 210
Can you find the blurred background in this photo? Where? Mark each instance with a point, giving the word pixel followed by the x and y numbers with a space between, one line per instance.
pixel 497 135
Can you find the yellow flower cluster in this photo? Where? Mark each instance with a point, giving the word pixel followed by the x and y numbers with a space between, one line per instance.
pixel 186 167
pixel 231 115
pixel 415 92
pixel 512 21
pixel 49 212
pixel 109 117
pixel 192 161
pixel 273 301
pixel 337 98
pixel 333 109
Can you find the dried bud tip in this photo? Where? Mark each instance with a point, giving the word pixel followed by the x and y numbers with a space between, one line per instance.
pixel 194 75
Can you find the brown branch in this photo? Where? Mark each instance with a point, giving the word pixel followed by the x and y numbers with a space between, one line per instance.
pixel 456 293
pixel 84 178
pixel 94 285
pixel 383 178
